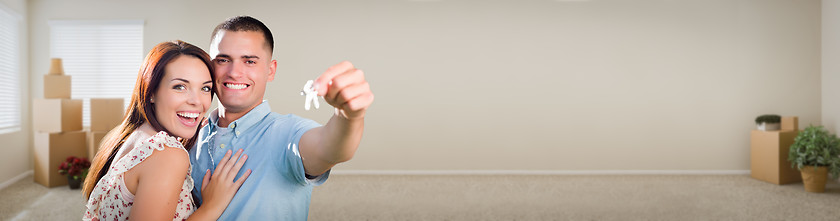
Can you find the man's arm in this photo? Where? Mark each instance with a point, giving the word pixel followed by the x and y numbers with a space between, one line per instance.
pixel 347 90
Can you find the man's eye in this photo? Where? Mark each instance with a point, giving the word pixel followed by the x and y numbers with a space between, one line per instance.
pixel 250 62
pixel 221 60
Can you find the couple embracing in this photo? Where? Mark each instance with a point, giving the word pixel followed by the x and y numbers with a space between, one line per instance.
pixel 244 162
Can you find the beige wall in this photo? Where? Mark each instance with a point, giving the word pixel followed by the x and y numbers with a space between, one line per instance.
pixel 17 155
pixel 523 85
pixel 831 64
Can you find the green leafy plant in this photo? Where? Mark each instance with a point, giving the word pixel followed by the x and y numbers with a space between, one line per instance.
pixel 815 146
pixel 768 118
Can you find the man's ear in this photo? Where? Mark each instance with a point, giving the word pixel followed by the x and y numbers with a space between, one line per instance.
pixel 272 68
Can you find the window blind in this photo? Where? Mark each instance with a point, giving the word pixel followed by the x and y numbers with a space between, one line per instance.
pixel 10 106
pixel 102 57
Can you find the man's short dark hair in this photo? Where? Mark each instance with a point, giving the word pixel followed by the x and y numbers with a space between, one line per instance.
pixel 246 23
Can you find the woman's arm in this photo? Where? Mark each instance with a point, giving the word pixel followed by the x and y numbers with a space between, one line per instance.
pixel 159 181
pixel 161 176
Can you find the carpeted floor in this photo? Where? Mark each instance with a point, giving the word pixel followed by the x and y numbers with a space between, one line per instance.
pixel 27 200
pixel 487 197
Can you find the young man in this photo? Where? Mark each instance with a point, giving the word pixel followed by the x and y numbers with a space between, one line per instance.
pixel 287 154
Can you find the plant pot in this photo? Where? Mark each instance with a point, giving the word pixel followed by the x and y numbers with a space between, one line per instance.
pixel 814 179
pixel 76 183
pixel 764 126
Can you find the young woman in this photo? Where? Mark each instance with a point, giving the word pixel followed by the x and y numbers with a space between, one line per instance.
pixel 142 169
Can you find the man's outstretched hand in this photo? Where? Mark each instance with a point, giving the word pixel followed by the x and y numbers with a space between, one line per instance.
pixel 346 90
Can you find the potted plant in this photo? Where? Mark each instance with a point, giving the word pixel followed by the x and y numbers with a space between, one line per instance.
pixel 815 152
pixel 76 168
pixel 768 122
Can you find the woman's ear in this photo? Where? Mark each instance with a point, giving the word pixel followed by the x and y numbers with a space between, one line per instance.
pixel 152 100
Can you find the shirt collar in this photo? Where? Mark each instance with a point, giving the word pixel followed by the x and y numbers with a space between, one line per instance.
pixel 245 122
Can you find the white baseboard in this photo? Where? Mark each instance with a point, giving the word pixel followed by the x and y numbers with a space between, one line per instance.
pixel 15 179
pixel 541 172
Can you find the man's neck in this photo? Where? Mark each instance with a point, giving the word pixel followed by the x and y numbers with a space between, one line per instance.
pixel 227 116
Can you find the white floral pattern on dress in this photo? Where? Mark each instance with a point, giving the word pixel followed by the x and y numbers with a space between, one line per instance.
pixel 106 200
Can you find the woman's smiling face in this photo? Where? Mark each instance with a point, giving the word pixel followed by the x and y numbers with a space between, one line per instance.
pixel 184 95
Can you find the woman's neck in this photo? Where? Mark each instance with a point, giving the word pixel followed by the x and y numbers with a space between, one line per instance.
pixel 147 129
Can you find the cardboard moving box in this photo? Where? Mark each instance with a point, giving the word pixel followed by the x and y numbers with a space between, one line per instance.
pixel 93 141
pixel 57 86
pixel 790 123
pixel 51 149
pixel 768 156
pixel 56 115
pixel 105 113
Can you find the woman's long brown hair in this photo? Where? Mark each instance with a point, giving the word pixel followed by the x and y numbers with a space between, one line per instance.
pixel 141 109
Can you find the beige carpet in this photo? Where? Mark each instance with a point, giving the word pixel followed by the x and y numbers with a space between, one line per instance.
pixel 27 200
pixel 485 197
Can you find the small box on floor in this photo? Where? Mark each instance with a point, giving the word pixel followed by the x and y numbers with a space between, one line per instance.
pixel 768 156
pixel 51 149
pixel 56 115
pixel 105 113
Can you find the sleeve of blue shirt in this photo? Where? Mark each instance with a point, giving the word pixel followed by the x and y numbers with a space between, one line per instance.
pixel 293 161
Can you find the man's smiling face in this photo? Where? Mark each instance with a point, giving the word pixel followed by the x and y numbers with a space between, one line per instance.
pixel 243 68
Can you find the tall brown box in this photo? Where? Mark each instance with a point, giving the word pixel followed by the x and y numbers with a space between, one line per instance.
pixel 768 156
pixel 93 140
pixel 56 115
pixel 57 86
pixel 105 113
pixel 53 148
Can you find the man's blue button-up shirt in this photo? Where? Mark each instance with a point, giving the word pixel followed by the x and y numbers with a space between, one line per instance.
pixel 277 188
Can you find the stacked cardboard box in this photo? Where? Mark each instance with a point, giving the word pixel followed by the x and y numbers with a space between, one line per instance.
pixel 56 84
pixel 105 115
pixel 57 125
pixel 51 149
pixel 769 153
